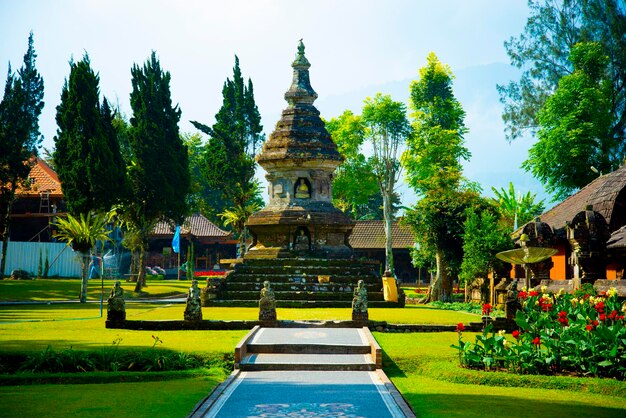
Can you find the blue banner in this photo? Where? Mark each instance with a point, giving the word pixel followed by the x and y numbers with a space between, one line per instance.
pixel 176 240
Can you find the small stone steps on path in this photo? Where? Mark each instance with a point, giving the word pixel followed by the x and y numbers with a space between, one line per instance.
pixel 308 349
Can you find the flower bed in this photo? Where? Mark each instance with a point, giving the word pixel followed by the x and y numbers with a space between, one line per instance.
pixel 210 273
pixel 558 334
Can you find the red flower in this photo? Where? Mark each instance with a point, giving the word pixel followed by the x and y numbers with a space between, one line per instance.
pixel 522 295
pixel 563 318
pixel 460 327
pixel 621 317
pixel 599 307
pixel 589 327
pixel 487 309
pixel 515 334
pixel 602 317
pixel 546 306
pixel 562 314
pixel 537 341
pixel 533 293
pixel 613 315
pixel 595 323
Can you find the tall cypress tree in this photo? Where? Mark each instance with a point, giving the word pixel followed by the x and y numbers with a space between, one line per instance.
pixel 32 83
pixel 20 108
pixel 234 140
pixel 159 174
pixel 87 154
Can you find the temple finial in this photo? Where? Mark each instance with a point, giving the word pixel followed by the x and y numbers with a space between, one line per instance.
pixel 300 90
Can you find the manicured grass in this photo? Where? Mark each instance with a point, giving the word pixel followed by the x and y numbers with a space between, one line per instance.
pixel 422 365
pixel 171 398
pixel 69 289
pixel 411 314
pixel 426 372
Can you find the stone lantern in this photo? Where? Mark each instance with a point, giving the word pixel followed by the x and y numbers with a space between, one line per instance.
pixel 587 234
pixel 300 159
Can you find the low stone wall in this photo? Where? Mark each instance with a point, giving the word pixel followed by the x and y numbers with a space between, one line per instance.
pixel 378 326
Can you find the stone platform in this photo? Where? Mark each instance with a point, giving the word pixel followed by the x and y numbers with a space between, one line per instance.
pixel 301 282
pixel 306 372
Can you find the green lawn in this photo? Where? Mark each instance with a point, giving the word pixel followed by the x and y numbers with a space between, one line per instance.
pixel 69 289
pixel 422 365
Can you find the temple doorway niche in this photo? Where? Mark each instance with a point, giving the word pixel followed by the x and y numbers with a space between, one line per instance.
pixel 302 188
pixel 302 239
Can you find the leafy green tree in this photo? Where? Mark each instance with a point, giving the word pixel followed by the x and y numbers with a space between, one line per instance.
pixel 20 108
pixel 387 129
pixel 233 142
pixel 81 233
pixel 360 198
pixel 542 52
pixel 575 124
pixel 483 237
pixel 432 162
pixel 516 209
pixel 87 155
pixel 159 172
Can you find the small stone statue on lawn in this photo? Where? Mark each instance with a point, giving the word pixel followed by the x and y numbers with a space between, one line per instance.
pixel 193 310
pixel 267 303
pixel 116 309
pixel 359 303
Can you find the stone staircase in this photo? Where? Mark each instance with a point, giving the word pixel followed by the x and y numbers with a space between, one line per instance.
pixel 312 349
pixel 296 282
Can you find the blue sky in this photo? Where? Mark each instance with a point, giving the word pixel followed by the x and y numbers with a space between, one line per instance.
pixel 356 48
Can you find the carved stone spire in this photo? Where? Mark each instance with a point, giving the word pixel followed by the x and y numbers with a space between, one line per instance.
pixel 300 90
pixel 300 137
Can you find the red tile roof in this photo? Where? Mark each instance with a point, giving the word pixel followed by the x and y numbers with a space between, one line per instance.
pixel 371 234
pixel 600 193
pixel 43 179
pixel 196 225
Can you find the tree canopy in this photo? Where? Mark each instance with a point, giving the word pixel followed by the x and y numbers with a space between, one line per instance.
pixel 87 155
pixel 545 52
pixel 361 199
pixel 432 162
pixel 516 209
pixel 233 142
pixel 387 130
pixel 21 105
pixel 574 126
pixel 159 172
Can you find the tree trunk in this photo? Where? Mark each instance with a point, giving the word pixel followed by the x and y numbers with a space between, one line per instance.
pixel 388 239
pixel 85 276
pixel 441 289
pixel 141 276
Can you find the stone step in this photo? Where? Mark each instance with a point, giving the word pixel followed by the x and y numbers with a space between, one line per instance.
pixel 308 348
pixel 308 262
pixel 296 295
pixel 280 277
pixel 290 303
pixel 272 361
pixel 314 287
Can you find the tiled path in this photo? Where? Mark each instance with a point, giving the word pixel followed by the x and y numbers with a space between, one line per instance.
pixel 333 382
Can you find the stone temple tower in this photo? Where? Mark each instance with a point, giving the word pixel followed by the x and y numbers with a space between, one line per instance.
pixel 300 159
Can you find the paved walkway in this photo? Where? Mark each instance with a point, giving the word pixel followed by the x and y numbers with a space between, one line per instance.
pixel 329 385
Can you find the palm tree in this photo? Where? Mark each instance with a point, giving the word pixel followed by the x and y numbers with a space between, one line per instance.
pixel 237 217
pixel 81 234
pixel 516 209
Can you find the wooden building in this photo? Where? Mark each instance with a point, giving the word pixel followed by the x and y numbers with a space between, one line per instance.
pixel 36 203
pixel 210 244
pixel 368 240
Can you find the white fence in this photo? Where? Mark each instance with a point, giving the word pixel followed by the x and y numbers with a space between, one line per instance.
pixel 62 260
